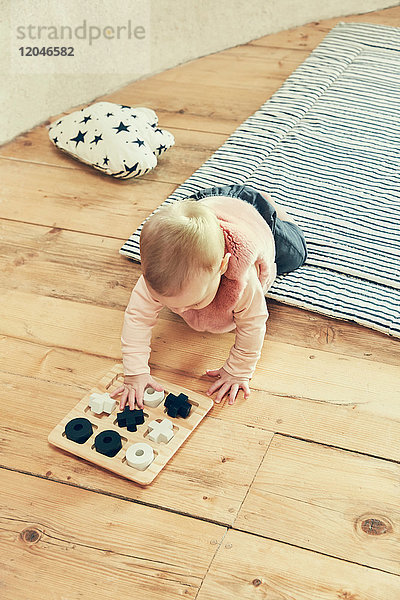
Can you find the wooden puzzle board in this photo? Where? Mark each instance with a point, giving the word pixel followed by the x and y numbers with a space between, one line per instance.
pixel 162 452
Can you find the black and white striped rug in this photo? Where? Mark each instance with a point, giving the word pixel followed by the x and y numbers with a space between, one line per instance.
pixel 326 146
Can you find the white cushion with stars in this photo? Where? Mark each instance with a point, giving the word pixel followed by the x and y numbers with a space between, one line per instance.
pixel 122 141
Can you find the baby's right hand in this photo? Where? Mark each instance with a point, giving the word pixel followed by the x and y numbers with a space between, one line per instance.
pixel 133 388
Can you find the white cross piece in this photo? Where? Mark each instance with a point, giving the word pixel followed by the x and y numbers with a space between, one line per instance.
pixel 101 403
pixel 160 432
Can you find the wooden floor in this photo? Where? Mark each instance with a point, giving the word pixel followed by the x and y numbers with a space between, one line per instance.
pixel 293 495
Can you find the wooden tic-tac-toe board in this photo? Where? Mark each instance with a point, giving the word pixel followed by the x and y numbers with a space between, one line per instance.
pixel 177 429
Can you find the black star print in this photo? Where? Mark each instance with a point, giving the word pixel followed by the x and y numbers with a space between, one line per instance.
pixel 55 140
pixel 130 170
pixel 86 119
pixel 134 116
pixel 58 122
pixel 106 160
pixel 79 138
pixel 97 138
pixel 160 148
pixel 109 115
pixel 159 130
pixel 122 127
pixel 123 106
pixel 138 142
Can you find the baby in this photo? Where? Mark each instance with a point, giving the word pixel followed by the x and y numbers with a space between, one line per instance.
pixel 210 258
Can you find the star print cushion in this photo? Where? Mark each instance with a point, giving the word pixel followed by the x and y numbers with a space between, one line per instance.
pixel 119 140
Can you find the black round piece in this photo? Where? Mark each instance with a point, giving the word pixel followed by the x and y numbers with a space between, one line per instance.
pixel 79 430
pixel 108 442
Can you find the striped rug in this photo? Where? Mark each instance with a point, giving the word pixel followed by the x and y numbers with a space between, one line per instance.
pixel 326 146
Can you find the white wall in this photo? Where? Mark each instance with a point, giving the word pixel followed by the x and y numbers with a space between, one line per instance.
pixel 174 31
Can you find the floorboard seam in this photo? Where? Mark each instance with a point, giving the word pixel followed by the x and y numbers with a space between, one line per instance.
pixel 255 475
pixel 117 496
pixel 311 441
pixel 71 168
pixel 211 562
pixel 211 521
pixel 46 226
pixel 346 560
pixel 302 439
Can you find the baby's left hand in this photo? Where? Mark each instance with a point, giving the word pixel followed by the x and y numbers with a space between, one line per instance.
pixel 227 383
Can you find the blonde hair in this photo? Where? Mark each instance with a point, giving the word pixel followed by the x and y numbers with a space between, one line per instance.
pixel 177 242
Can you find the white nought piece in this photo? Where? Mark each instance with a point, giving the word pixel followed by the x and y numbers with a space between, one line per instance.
pixel 101 403
pixel 139 456
pixel 152 398
pixel 160 432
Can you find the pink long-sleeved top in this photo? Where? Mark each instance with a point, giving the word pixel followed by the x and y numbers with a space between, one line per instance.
pixel 239 303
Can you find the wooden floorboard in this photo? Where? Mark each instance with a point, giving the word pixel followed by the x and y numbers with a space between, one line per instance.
pixel 59 541
pixel 338 503
pixel 86 201
pixel 249 567
pixel 306 460
pixel 310 35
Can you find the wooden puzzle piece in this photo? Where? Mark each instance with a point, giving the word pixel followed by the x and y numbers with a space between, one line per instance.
pixel 139 456
pixel 152 397
pixel 101 403
pixel 160 431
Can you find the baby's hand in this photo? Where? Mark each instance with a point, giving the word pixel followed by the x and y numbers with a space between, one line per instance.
pixel 227 383
pixel 133 388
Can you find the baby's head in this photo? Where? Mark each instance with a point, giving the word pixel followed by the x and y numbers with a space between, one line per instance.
pixel 182 251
